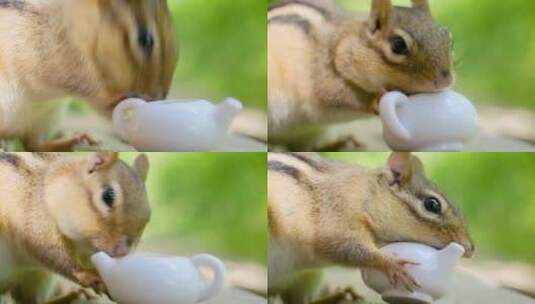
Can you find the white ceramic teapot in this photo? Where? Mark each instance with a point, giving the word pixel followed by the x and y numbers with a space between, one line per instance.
pixel 433 272
pixel 141 279
pixel 427 122
pixel 196 125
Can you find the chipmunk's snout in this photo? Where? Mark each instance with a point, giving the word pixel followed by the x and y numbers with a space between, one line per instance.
pixel 158 95
pixel 445 74
pixel 121 248
pixel 469 249
pixel 120 251
pixel 444 79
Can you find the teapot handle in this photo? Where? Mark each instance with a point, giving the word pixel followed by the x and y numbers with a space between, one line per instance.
pixel 387 108
pixel 206 260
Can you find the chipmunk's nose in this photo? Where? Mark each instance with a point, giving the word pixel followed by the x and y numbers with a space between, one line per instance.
pixel 157 95
pixel 121 249
pixel 469 249
pixel 444 79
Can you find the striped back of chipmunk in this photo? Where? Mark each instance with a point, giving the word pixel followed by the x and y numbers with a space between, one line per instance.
pixel 301 167
pixel 16 4
pixel 297 30
pixel 20 6
pixel 19 163
pixel 25 163
pixel 306 15
pixel 292 180
pixel 16 176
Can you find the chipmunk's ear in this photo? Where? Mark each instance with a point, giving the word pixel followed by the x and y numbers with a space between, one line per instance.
pixel 417 165
pixel 421 5
pixel 380 15
pixel 141 165
pixel 101 161
pixel 401 167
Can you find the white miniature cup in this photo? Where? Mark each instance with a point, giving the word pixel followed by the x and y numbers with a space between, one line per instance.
pixel 427 122
pixel 433 272
pixel 140 279
pixel 196 125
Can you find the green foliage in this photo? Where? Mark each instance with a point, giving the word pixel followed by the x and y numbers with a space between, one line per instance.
pixel 494 48
pixel 223 49
pixel 494 190
pixel 213 202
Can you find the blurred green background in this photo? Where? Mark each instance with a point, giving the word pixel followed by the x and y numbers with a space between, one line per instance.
pixel 207 202
pixel 223 50
pixel 494 190
pixel 494 47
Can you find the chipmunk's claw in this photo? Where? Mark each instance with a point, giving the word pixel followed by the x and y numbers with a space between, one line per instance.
pixel 64 144
pixel 398 274
pixel 90 279
pixel 81 139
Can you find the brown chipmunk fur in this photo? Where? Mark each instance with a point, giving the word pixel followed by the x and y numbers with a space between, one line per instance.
pixel 326 65
pixel 56 210
pixel 100 51
pixel 324 213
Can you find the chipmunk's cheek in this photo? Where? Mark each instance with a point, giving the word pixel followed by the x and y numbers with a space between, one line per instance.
pixel 406 83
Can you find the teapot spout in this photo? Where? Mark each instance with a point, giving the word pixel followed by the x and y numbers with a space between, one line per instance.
pixel 103 262
pixel 450 255
pixel 226 111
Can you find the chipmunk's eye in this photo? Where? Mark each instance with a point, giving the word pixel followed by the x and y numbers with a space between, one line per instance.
pixel 399 46
pixel 108 196
pixel 145 40
pixel 433 205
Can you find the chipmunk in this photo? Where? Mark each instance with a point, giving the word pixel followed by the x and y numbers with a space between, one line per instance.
pixel 100 51
pixel 327 66
pixel 57 210
pixel 324 213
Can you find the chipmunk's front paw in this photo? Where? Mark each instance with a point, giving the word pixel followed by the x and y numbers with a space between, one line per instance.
pixel 398 275
pixel 84 139
pixel 68 144
pixel 77 140
pixel 90 279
